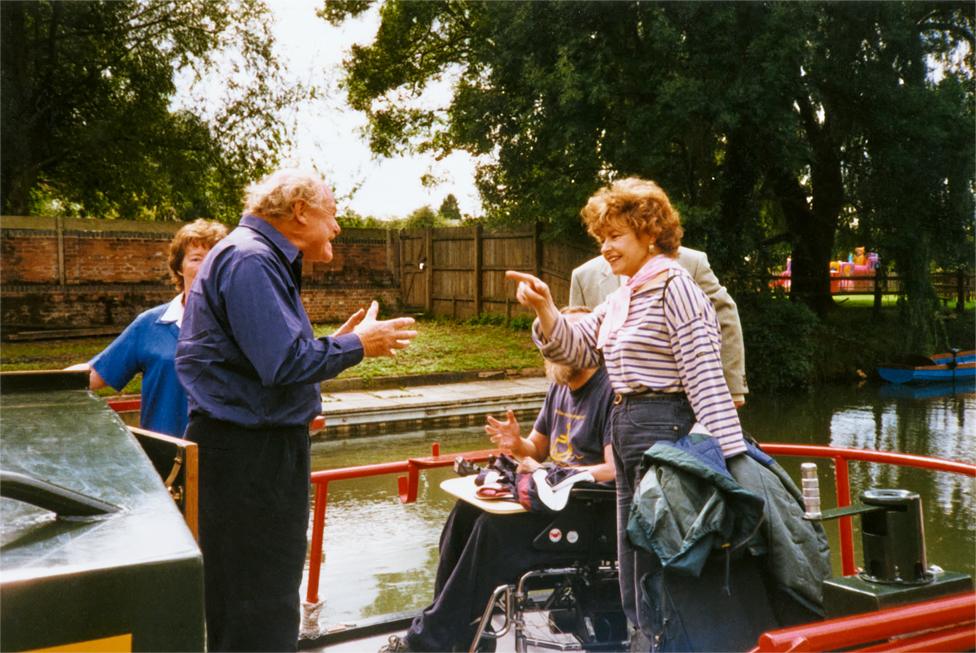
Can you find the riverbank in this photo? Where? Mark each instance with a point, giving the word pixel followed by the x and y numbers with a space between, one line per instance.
pixel 443 352
pixel 438 404
pixel 848 345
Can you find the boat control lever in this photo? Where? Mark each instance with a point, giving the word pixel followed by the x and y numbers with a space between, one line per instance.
pixel 895 568
pixel 57 499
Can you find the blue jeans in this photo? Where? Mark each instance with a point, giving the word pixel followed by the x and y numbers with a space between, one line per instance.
pixel 636 423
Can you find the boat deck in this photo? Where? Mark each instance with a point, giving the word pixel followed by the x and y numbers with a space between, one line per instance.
pixel 375 637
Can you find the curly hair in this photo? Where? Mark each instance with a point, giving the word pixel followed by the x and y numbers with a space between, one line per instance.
pixel 273 196
pixel 203 233
pixel 639 204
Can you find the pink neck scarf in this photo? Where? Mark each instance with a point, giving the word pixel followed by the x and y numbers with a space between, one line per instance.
pixel 618 303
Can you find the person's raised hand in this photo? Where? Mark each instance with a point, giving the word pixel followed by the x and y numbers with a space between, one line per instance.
pixel 351 323
pixel 383 337
pixel 534 293
pixel 531 291
pixel 506 435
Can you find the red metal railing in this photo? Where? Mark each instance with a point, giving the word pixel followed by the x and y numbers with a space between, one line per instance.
pixel 406 489
pixel 946 625
pixel 126 404
pixel 948 622
pixel 842 482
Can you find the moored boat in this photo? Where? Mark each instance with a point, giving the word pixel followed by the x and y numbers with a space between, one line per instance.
pixel 938 368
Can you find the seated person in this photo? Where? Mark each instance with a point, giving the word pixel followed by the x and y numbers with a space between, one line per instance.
pixel 480 551
pixel 148 345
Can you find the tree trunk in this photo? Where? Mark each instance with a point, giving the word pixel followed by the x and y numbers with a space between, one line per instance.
pixel 737 217
pixel 921 303
pixel 814 224
pixel 813 241
pixel 17 172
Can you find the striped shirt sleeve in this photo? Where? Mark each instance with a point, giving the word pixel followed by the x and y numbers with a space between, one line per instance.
pixel 572 344
pixel 696 345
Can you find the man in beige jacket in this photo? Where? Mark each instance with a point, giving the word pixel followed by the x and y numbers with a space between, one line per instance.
pixel 593 281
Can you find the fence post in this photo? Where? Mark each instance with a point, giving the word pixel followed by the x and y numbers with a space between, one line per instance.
pixel 478 264
pixel 401 280
pixel 59 226
pixel 960 291
pixel 878 272
pixel 537 250
pixel 429 271
pixel 391 264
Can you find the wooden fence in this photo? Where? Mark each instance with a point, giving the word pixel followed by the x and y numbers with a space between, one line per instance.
pixel 950 287
pixel 460 272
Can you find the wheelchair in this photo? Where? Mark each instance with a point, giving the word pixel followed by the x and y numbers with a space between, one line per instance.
pixel 572 606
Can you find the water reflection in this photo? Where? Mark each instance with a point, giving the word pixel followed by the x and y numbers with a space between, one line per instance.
pixel 381 554
pixel 943 426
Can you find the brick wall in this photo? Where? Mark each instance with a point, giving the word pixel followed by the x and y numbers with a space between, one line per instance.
pixel 114 269
pixel 56 307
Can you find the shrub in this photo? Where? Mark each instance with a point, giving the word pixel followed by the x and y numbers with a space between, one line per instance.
pixel 517 323
pixel 780 341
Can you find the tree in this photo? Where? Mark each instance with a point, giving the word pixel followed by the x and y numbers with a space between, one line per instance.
pixel 756 117
pixel 349 219
pixel 423 217
pixel 86 95
pixel 449 208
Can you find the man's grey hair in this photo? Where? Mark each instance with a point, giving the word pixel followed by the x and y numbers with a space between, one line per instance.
pixel 273 196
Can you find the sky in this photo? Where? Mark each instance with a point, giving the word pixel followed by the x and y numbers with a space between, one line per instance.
pixel 330 136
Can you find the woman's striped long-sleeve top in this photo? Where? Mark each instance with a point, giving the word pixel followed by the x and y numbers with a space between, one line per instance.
pixel 664 346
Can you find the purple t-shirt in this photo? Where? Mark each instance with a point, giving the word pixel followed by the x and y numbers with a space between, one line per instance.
pixel 577 421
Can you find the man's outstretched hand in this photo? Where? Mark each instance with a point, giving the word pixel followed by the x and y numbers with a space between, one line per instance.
pixel 381 337
pixel 351 323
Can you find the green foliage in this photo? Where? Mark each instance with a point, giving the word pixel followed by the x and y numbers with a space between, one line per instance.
pixel 517 323
pixel 521 322
pixel 493 319
pixel 88 124
pixel 449 209
pixel 765 122
pixel 422 218
pixel 780 341
pixel 352 220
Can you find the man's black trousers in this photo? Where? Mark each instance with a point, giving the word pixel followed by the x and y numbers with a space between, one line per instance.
pixel 253 524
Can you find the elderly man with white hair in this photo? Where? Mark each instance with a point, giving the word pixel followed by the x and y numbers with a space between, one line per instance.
pixel 251 367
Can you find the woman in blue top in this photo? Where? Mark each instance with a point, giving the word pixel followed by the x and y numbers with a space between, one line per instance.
pixel 148 345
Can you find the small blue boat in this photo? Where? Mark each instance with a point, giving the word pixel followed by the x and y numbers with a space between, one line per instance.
pixel 935 390
pixel 938 368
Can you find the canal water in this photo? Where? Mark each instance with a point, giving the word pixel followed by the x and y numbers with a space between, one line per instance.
pixel 380 555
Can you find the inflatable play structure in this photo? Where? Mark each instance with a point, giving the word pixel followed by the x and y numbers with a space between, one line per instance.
pixel 856 274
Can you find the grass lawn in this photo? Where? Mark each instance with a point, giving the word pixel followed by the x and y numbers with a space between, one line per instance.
pixel 440 346
pixel 850 339
pixel 886 301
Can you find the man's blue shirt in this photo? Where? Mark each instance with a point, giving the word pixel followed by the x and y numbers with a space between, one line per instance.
pixel 246 352
pixel 148 346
